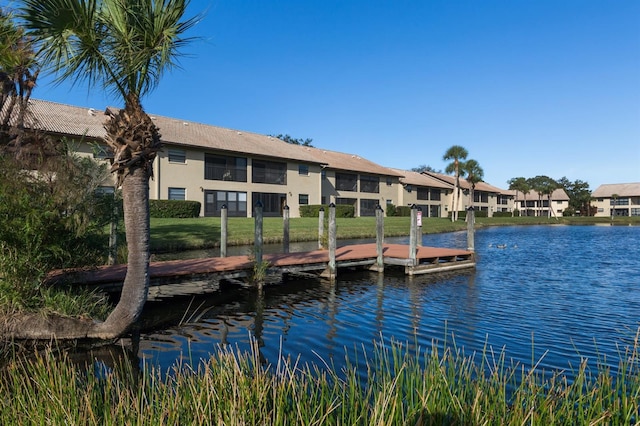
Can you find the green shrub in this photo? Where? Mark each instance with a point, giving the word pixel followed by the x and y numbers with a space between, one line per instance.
pixel 403 211
pixel 174 209
pixel 501 214
pixel 49 220
pixel 342 210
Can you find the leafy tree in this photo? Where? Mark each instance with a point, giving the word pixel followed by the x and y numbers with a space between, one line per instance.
pixel 579 195
pixel 474 174
pixel 520 184
pixel 124 47
pixel 455 153
pixel 425 168
pixel 294 141
pixel 544 185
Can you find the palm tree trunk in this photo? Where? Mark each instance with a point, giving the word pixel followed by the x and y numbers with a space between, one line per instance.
pixel 135 195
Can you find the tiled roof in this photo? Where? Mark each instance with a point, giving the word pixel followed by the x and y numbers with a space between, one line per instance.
pixel 420 179
pixel 348 162
pixel 72 120
pixel 480 186
pixel 622 189
pixel 557 195
pixel 57 118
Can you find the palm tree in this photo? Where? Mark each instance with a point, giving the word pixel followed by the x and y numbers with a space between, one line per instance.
pixel 520 184
pixel 455 153
pixel 124 46
pixel 473 173
pixel 18 74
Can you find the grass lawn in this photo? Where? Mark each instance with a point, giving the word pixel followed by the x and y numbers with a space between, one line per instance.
pixel 168 235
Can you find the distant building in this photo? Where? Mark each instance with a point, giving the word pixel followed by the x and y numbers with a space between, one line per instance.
pixel 538 204
pixel 432 195
pixel 617 199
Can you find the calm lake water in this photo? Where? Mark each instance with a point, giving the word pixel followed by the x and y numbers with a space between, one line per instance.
pixel 553 295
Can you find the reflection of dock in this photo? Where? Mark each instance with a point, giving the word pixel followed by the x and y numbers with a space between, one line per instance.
pixel 426 260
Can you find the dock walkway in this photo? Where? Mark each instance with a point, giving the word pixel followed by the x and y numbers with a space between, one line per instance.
pixel 427 260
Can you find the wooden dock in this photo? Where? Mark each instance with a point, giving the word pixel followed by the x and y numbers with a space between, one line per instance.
pixel 426 260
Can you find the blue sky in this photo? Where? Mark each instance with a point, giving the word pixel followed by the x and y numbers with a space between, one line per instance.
pixel 528 87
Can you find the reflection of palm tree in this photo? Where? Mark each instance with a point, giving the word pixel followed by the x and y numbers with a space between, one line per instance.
pixel 124 47
pixel 455 153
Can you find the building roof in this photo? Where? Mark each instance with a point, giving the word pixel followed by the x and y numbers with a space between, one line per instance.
pixel 621 189
pixel 420 179
pixel 480 186
pixel 348 162
pixel 557 195
pixel 77 121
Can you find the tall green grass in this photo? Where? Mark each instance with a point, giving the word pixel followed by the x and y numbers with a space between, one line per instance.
pixel 397 386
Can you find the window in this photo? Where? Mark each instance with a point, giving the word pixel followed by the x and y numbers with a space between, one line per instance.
pixel 177 156
pixel 635 211
pixel 346 182
pixel 303 199
pixel 369 184
pixel 434 194
pixel 480 197
pixel 177 193
pixel 236 203
pixel 620 202
pixel 102 152
pixel 389 181
pixel 303 170
pixel 272 204
pixel 269 172
pixel 422 193
pixel 221 167
pixel 346 201
pixel 368 207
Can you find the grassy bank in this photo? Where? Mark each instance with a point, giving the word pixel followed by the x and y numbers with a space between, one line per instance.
pixel 446 388
pixel 199 233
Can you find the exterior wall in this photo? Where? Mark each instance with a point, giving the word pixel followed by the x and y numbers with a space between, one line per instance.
pixel 621 206
pixel 430 207
pixel 387 191
pixel 537 207
pixel 190 176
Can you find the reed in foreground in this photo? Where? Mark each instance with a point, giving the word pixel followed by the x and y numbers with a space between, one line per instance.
pixel 400 386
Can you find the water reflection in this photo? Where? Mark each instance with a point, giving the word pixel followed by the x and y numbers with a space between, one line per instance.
pixel 554 295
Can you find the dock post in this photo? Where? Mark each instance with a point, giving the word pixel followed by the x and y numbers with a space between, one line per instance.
pixel 320 227
pixel 419 227
pixel 257 245
pixel 379 238
pixel 332 242
pixel 471 220
pixel 223 230
pixel 285 229
pixel 413 235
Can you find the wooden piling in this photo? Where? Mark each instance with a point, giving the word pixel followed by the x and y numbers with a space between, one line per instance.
pixel 379 238
pixel 285 229
pixel 320 227
pixel 471 220
pixel 331 269
pixel 224 223
pixel 413 245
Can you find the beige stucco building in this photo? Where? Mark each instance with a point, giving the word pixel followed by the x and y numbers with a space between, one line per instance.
pixel 617 199
pixel 534 204
pixel 218 166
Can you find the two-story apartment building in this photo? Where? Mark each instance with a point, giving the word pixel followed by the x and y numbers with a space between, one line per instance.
pixel 431 195
pixel 486 198
pixel 617 199
pixel 537 204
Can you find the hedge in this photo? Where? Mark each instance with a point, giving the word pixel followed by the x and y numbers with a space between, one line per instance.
pixel 174 208
pixel 312 210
